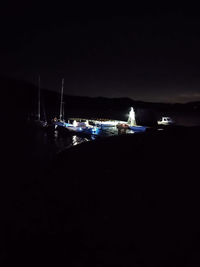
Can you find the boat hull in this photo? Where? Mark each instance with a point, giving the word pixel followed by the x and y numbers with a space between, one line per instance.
pixel 137 128
pixel 78 129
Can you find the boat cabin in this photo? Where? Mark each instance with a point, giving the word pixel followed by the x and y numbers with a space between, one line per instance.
pixel 166 121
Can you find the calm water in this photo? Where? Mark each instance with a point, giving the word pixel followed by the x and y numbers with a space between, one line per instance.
pixel 42 145
pixel 191 118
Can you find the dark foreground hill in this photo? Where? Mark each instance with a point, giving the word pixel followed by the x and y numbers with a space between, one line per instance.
pixel 122 201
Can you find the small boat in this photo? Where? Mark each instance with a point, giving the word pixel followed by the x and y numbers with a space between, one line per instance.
pixel 122 125
pixel 82 127
pixel 105 124
pixel 137 128
pixel 165 121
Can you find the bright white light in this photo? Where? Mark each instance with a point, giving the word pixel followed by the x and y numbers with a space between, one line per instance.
pixel 74 140
pixel 75 123
pixel 131 118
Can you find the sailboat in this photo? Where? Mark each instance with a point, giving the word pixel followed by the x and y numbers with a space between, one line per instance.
pixel 39 122
pixel 60 121
pixel 76 127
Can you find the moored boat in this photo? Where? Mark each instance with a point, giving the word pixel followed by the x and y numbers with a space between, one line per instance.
pixel 132 123
pixel 38 122
pixel 137 128
pixel 166 121
pixel 82 127
pixel 77 127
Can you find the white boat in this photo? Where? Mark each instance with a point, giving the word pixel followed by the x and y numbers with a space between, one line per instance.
pixel 165 121
pixel 82 127
pixel 106 123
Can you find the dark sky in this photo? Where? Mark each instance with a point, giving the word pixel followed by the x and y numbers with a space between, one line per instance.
pixel 150 54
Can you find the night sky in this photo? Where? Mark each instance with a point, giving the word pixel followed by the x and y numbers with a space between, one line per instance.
pixel 152 54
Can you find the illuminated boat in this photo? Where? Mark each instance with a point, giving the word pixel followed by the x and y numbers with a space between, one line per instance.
pixel 76 127
pixel 122 125
pixel 132 123
pixel 104 124
pixel 137 128
pixel 82 127
pixel 165 121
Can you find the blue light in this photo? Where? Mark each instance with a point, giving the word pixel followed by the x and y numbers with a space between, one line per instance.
pixel 138 128
pixel 95 130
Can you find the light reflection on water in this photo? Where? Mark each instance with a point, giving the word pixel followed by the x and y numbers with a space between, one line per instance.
pixel 43 145
pixel 67 141
pixel 76 140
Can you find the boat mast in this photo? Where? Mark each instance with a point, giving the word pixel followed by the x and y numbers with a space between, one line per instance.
pixel 61 101
pixel 63 111
pixel 39 97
